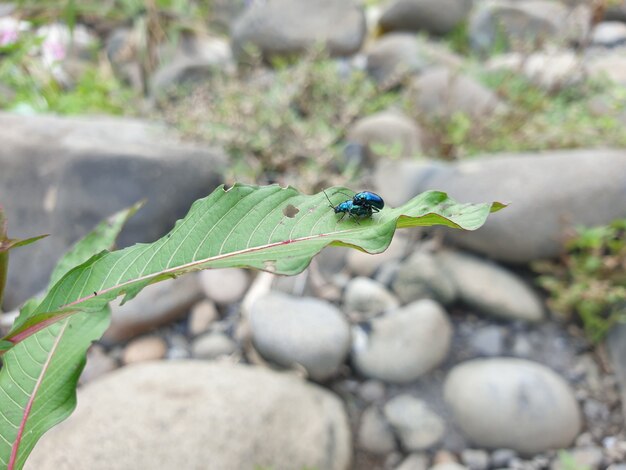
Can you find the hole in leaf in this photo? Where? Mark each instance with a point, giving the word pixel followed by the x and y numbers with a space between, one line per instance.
pixel 290 211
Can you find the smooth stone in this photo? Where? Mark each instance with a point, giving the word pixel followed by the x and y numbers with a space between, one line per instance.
pixel 387 133
pixel 148 348
pixel 156 305
pixel 422 276
pixel 396 56
pixel 291 27
pixel 366 298
pixel 608 34
pixel 414 461
pixel 375 435
pixel 490 288
pixel 475 459
pixel 440 93
pixel 225 286
pixel 404 344
pixel 550 193
pixel 433 16
pixel 517 25
pixel 306 331
pixel 212 345
pixel 551 71
pixel 512 403
pixel 372 391
pixel 212 412
pixel 415 424
pixel 364 264
pixel 98 364
pixel 202 315
pixel 73 172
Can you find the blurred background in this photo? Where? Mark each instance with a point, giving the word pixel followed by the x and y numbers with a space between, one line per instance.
pixel 496 349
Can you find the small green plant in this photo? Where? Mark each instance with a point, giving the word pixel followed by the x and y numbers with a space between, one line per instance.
pixel 269 228
pixel 590 280
pixel 272 122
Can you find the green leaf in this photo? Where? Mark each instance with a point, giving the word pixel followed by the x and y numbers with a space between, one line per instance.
pixel 268 228
pixel 39 375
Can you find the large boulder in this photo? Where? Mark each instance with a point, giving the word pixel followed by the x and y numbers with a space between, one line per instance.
pixel 290 27
pixel 193 414
pixel 64 175
pixel 432 16
pixel 549 194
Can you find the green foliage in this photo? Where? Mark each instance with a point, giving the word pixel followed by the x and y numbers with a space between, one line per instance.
pixel 274 121
pixel 269 228
pixel 590 281
pixel 30 87
pixel 538 120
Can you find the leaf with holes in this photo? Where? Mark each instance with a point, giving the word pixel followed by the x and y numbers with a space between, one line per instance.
pixel 39 375
pixel 269 228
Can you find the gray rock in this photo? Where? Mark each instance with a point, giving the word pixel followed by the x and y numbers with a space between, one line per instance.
pixel 306 331
pixel 367 298
pixel 213 412
pixel 147 348
pixel 121 49
pixel 551 71
pixel 488 341
pixel 512 403
pixel 194 61
pixel 212 345
pixel 288 27
pixel 501 458
pixel 202 315
pixel 433 16
pixel 403 345
pixel 422 276
pixel 490 288
pixel 372 391
pixel 375 434
pixel 550 193
pixel 387 133
pixel 415 424
pixel 440 93
pixel 395 56
pixel 414 461
pixel 156 305
pixel 364 264
pixel 71 173
pixel 225 286
pixel 609 34
pixel 616 11
pixel 475 459
pixel 516 25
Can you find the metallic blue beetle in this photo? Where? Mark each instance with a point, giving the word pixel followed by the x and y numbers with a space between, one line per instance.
pixel 369 199
pixel 349 207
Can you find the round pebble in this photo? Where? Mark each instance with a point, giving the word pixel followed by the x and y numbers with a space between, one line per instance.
pixel 212 345
pixel 224 286
pixel 512 403
pixel 147 348
pixel 367 298
pixel 403 345
pixel 300 330
pixel 375 435
pixel 415 424
pixel 203 314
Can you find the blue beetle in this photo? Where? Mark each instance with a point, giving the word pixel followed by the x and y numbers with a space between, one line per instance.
pixel 349 207
pixel 369 199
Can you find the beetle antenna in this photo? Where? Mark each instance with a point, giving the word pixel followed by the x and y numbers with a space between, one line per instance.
pixel 341 192
pixel 330 203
